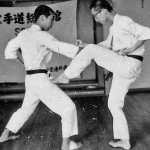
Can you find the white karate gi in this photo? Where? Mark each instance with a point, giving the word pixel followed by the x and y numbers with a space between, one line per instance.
pixel 37 47
pixel 125 33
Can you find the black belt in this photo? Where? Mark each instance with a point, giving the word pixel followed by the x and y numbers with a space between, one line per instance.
pixel 36 71
pixel 136 57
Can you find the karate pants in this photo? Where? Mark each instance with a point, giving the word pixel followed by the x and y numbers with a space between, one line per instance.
pixel 39 88
pixel 125 71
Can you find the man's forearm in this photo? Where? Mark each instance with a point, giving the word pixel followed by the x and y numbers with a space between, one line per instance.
pixel 130 50
pixel 136 46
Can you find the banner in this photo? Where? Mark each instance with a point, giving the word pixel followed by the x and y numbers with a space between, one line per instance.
pixel 15 19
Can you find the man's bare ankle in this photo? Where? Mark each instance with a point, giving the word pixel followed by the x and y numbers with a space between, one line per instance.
pixel 65 144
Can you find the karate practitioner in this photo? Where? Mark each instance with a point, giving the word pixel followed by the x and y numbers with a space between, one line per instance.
pixel 36 46
pixel 121 53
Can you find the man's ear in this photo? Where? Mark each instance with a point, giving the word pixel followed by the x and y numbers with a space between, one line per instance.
pixel 42 17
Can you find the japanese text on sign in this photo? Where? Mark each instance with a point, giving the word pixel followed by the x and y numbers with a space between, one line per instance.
pixel 21 18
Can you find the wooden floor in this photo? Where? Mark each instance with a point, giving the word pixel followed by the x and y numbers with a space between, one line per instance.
pixel 43 130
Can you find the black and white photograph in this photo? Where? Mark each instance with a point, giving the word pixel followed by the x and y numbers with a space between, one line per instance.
pixel 74 74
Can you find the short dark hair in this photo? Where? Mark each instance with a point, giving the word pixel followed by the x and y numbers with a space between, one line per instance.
pixel 101 4
pixel 43 10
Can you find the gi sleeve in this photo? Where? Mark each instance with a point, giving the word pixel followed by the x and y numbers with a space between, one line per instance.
pixel 11 48
pixel 57 46
pixel 140 32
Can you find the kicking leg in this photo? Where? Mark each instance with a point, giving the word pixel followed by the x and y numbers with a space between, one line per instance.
pixel 104 57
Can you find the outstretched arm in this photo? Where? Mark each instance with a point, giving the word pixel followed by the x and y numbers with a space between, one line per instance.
pixel 67 49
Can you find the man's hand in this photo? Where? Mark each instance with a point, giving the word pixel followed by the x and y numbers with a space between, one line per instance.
pixel 124 51
pixel 127 51
pixel 120 52
pixel 80 43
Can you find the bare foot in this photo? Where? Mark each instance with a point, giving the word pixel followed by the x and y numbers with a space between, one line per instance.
pixel 65 144
pixel 61 79
pixel 4 139
pixel 71 146
pixel 74 145
pixel 6 136
pixel 125 144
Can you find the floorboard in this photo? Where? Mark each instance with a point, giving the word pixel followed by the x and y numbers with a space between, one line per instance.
pixel 43 129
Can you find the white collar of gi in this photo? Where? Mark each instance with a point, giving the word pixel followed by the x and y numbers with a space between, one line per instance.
pixel 35 27
pixel 115 18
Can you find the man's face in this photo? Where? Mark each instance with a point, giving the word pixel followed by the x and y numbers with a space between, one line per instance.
pixel 99 16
